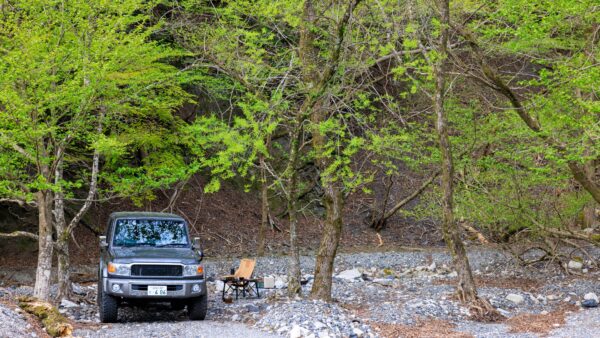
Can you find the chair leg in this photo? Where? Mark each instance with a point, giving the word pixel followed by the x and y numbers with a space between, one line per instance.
pixel 257 292
pixel 223 295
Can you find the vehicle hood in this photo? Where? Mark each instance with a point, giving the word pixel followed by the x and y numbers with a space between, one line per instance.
pixel 154 255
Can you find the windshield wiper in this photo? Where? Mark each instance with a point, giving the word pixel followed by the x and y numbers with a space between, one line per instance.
pixel 171 244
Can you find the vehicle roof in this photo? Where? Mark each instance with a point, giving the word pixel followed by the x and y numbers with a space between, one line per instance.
pixel 143 214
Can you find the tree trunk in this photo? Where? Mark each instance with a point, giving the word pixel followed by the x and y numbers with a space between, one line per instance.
pixel 294 272
pixel 318 76
pixel 330 239
pixel 264 197
pixel 41 289
pixel 62 239
pixel 64 231
pixel 466 289
pixel 64 264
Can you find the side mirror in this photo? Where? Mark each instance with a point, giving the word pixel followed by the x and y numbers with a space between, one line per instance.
pixel 103 243
pixel 198 246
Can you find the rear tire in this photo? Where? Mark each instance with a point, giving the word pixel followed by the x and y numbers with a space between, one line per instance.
pixel 108 306
pixel 197 308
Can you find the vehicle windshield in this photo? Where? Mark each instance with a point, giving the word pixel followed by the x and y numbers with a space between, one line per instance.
pixel 150 232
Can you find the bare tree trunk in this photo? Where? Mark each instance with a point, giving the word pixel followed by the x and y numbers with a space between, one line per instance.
pixel 41 289
pixel 294 272
pixel 466 289
pixel 264 196
pixel 62 239
pixel 330 239
pixel 64 231
pixel 318 77
pixel 333 199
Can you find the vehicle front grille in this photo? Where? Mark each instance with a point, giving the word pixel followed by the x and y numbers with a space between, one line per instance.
pixel 141 287
pixel 156 270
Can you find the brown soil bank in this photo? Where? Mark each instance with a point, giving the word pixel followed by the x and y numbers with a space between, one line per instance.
pixel 227 222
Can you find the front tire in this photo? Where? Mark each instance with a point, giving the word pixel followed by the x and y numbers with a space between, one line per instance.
pixel 108 307
pixel 197 308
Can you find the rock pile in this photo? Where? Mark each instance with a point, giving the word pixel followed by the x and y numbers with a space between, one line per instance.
pixel 312 319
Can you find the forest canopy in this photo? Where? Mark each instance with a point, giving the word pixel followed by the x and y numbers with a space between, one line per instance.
pixel 494 105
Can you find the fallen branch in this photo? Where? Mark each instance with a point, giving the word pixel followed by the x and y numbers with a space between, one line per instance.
pixel 474 232
pixel 55 323
pixel 273 224
pixel 594 239
pixel 381 220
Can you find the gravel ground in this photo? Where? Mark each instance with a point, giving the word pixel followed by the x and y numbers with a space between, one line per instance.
pixel 207 328
pixel 13 324
pixel 397 289
pixel 582 324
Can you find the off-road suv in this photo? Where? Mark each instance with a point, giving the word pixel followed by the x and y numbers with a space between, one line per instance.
pixel 146 258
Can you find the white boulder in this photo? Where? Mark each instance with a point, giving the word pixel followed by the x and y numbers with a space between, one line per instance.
pixel 358 332
pixel 280 283
pixel 298 332
pixel 515 298
pixel 591 295
pixel 67 303
pixel 351 274
pixel 575 265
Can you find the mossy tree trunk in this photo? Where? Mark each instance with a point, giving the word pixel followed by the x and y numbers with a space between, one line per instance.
pixel 292 206
pixel 41 289
pixel 334 203
pixel 466 289
pixel 62 241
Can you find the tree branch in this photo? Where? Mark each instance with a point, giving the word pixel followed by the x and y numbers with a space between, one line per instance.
pixel 412 196
pixel 577 170
pixel 17 148
pixel 28 235
pixel 20 234
pixel 20 202
pixel 93 183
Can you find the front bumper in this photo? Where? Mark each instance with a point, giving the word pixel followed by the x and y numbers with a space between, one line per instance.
pixel 138 288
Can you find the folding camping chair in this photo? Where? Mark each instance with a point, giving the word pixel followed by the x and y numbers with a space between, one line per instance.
pixel 241 280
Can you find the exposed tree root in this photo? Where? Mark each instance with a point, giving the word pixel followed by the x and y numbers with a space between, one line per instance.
pixel 482 311
pixel 54 322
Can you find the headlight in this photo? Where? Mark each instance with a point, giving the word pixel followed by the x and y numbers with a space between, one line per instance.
pixel 193 270
pixel 119 269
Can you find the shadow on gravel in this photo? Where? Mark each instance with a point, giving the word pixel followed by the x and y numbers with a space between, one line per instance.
pixel 159 312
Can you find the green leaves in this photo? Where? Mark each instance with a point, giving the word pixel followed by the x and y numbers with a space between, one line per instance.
pixel 69 69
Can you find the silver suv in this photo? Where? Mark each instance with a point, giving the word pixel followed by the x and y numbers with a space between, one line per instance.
pixel 148 257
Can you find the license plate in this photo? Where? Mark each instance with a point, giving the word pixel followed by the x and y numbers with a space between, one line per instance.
pixel 156 290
